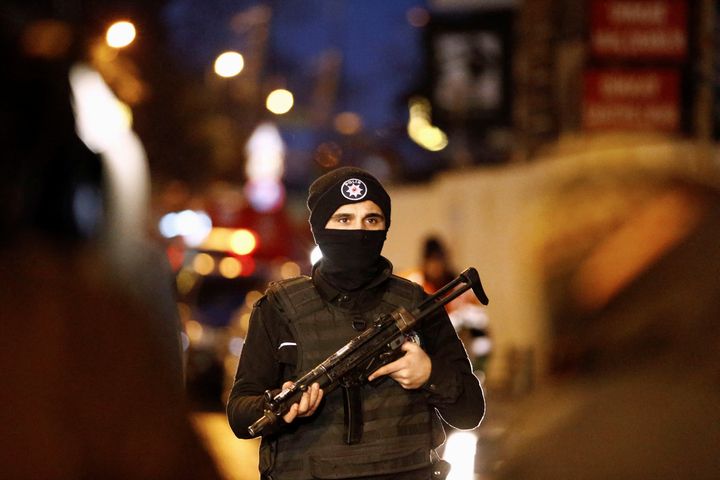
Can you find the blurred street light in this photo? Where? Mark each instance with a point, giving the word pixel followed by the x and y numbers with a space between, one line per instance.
pixel 421 130
pixel 347 123
pixel 243 241
pixel 279 101
pixel 203 263
pixel 120 34
pixel 229 64
pixel 230 267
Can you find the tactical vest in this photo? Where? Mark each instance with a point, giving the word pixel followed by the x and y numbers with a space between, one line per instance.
pixel 397 432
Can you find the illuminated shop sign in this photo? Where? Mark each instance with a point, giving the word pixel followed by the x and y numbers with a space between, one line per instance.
pixel 632 99
pixel 639 29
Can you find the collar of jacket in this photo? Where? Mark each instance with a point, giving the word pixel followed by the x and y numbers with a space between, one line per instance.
pixel 362 299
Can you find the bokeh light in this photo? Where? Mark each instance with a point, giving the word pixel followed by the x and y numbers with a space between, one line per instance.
pixel 185 281
pixel 328 154
pixel 243 241
pixel 418 17
pixel 279 101
pixel 120 34
pixel 194 330
pixel 229 64
pixel 460 451
pixel 289 270
pixel 421 130
pixel 203 264
pixel 252 297
pixel 230 267
pixel 348 123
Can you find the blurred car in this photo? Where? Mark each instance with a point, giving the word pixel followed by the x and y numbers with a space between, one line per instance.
pixel 211 309
pixel 219 281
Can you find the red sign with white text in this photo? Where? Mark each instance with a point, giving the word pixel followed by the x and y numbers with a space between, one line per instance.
pixel 641 99
pixel 639 29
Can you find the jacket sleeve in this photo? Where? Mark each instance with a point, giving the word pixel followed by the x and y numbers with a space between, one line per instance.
pixel 259 370
pixel 453 389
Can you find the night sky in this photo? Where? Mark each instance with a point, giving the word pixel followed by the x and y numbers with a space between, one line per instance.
pixel 382 63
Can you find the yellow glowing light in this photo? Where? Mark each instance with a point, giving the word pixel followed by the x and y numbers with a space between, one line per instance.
pixel 244 324
pixel 289 270
pixel 252 297
pixel 230 267
pixel 203 264
pixel 421 130
pixel 240 241
pixel 120 34
pixel 348 123
pixel 194 330
pixel 185 281
pixel 279 101
pixel 229 64
pixel 217 240
pixel 432 138
pixel 243 242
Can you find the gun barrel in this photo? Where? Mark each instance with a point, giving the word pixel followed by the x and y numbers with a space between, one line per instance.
pixel 262 422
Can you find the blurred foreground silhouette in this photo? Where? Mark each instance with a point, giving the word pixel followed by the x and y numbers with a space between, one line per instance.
pixel 91 373
pixel 634 391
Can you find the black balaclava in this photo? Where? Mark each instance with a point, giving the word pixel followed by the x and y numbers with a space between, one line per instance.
pixel 351 258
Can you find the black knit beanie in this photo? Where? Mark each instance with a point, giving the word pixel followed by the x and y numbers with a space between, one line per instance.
pixel 342 186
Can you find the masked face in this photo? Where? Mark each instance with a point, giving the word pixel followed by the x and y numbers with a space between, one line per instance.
pixel 351 243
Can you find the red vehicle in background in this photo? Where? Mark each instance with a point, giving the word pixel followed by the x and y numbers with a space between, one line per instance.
pixel 219 278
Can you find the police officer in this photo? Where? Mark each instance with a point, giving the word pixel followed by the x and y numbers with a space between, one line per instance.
pixel 301 321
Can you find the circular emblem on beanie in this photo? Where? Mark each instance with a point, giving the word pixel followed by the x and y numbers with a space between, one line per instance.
pixel 353 189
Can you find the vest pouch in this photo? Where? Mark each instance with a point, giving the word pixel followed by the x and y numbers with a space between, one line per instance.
pixel 365 463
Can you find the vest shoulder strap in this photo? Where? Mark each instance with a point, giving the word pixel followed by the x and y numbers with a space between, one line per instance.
pixel 402 291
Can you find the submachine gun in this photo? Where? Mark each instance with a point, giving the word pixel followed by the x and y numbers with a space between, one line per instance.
pixel 378 345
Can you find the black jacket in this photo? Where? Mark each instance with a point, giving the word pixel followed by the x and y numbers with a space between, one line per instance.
pixel 269 358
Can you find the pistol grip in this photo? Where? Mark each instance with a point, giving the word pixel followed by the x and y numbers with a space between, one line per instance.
pixel 383 359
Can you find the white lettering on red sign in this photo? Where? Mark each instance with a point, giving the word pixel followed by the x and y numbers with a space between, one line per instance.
pixel 647 86
pixel 638 13
pixel 639 99
pixel 639 29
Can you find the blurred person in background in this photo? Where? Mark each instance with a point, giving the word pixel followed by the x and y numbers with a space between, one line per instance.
pixel 91 374
pixel 435 267
pixel 301 321
pixel 467 314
